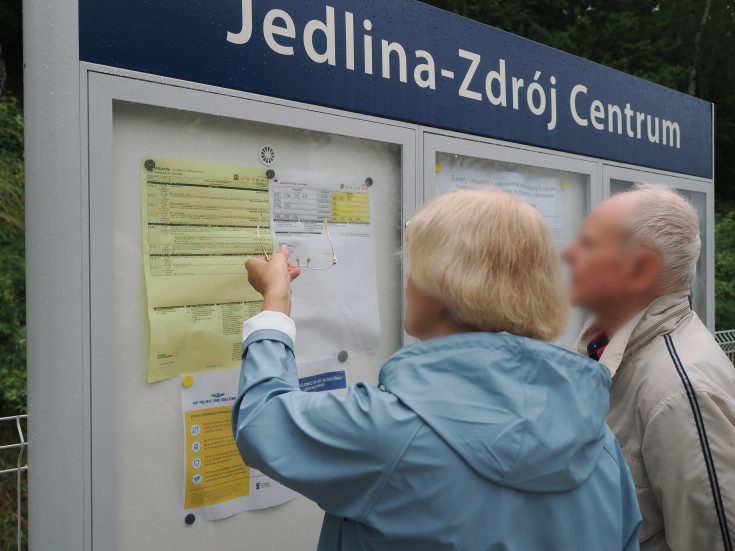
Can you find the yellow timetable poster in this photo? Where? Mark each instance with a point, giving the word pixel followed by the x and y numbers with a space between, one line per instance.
pixel 199 228
pixel 217 483
pixel 200 224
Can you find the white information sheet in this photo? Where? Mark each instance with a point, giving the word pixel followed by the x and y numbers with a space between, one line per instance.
pixel 545 193
pixel 335 307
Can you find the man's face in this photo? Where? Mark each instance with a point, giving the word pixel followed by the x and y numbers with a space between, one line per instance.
pixel 599 265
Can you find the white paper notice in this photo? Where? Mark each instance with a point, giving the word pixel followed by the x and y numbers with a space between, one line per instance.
pixel 217 483
pixel 546 194
pixel 335 309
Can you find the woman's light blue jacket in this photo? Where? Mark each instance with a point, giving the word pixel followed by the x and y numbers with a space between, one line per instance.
pixel 475 442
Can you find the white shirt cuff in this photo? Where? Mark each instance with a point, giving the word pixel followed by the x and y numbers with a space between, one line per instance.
pixel 268 319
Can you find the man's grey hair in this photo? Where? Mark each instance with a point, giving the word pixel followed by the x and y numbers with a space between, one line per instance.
pixel 669 224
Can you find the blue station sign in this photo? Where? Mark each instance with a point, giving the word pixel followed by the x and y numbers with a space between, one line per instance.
pixel 404 60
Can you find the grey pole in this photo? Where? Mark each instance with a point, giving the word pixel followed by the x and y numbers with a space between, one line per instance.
pixel 56 281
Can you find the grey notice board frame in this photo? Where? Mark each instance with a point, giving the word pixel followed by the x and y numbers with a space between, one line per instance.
pixel 70 260
pixel 103 89
pixel 600 172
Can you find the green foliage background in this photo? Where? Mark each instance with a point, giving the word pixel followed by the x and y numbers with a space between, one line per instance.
pixel 725 270
pixel 12 260
pixel 12 313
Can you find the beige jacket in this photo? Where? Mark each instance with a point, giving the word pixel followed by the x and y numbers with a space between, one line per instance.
pixel 672 408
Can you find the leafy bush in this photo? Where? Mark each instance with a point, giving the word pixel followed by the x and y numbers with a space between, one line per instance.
pixel 725 271
pixel 12 260
pixel 12 349
pixel 11 128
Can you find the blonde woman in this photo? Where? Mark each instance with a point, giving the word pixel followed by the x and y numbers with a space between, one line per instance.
pixel 481 437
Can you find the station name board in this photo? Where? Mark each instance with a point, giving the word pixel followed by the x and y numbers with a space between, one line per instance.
pixel 408 61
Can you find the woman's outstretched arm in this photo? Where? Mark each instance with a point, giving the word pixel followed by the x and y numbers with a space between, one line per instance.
pixel 338 450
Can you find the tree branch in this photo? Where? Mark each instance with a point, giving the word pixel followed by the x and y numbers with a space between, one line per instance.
pixel 698 48
pixel 3 73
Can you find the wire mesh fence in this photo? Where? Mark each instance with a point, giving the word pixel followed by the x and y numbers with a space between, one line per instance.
pixel 726 340
pixel 13 497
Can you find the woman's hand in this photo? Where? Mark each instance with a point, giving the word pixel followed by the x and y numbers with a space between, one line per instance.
pixel 272 279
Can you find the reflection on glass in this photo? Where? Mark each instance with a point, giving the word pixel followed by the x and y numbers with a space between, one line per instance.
pixel 699 201
pixel 562 197
pixel 298 264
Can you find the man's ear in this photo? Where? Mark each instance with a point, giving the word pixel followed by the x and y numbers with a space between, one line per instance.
pixel 646 265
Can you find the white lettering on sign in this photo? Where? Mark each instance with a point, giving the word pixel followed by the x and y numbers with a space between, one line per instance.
pixel 327 29
pixel 537 96
pixel 464 89
pixel 658 130
pixel 270 31
pixel 428 69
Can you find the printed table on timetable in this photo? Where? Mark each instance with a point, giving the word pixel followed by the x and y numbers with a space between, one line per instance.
pixel 315 205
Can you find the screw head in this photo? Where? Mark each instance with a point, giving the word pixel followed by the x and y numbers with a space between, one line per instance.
pixel 270 173
pixel 368 182
pixel 342 356
pixel 189 519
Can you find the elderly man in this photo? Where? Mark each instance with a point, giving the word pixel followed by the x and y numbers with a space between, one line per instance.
pixel 672 400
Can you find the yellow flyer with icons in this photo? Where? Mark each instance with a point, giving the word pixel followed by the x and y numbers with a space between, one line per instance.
pixel 217 483
pixel 215 472
pixel 199 226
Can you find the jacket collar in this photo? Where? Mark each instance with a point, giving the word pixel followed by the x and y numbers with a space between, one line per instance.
pixel 661 316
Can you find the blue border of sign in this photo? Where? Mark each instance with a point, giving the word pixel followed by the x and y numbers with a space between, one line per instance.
pixel 458 74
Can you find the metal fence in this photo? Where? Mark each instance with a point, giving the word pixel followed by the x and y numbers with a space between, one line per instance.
pixel 20 445
pixel 726 340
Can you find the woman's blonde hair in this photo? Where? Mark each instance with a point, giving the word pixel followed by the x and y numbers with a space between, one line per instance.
pixel 490 257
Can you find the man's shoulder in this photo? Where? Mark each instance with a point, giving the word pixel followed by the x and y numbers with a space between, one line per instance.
pixel 685 361
pixel 698 359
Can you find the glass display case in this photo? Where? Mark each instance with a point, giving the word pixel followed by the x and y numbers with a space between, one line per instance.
pixel 183 191
pixel 562 189
pixel 699 194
